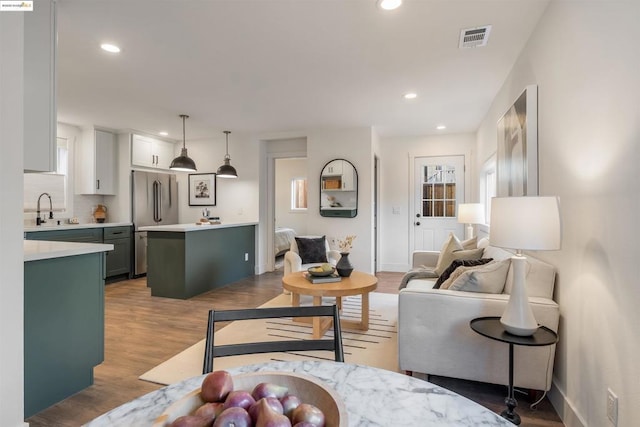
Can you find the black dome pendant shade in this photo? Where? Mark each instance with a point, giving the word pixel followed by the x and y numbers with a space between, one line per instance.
pixel 183 162
pixel 226 170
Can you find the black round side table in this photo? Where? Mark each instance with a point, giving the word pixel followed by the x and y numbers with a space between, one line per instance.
pixel 491 327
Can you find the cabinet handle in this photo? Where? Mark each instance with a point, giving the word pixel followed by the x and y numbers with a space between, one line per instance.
pixel 97 184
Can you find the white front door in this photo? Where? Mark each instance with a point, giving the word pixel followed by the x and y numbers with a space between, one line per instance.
pixel 439 188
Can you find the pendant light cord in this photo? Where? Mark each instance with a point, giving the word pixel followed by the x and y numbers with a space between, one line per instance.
pixel 227 132
pixel 184 135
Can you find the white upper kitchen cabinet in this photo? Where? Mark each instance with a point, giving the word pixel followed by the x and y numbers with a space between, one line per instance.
pixel 96 166
pixel 40 87
pixel 151 152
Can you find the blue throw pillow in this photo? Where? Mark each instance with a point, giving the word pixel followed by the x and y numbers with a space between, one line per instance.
pixel 312 249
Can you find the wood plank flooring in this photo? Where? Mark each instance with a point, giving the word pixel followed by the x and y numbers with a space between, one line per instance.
pixel 142 331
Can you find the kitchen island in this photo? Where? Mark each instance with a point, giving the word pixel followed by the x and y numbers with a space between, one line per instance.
pixel 63 319
pixel 184 260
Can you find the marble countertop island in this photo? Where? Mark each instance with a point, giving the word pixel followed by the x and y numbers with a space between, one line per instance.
pixel 43 249
pixel 372 396
pixel 184 228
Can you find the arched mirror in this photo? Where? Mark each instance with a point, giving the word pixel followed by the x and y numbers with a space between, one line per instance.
pixel 339 189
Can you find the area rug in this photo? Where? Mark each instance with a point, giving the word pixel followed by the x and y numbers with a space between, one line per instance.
pixel 376 347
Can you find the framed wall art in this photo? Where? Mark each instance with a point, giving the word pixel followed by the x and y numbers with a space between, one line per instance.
pixel 517 167
pixel 202 189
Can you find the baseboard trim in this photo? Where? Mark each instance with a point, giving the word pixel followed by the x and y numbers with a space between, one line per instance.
pixel 566 411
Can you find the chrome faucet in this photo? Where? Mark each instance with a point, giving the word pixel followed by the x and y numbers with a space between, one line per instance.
pixel 39 220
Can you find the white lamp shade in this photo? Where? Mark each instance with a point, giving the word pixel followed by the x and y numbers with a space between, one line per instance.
pixel 471 213
pixel 526 223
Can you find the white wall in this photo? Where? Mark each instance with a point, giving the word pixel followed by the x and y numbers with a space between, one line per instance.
pixel 11 249
pixel 286 170
pixel 396 166
pixel 236 199
pixel 354 145
pixel 585 60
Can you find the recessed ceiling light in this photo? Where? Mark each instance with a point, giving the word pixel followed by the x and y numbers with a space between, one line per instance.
pixel 441 127
pixel 112 48
pixel 410 95
pixel 163 133
pixel 389 4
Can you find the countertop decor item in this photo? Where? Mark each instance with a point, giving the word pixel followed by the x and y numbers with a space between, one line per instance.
pixel 523 223
pixel 226 170
pixel 183 162
pixel 100 214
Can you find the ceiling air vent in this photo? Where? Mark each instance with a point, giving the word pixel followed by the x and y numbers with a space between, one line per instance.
pixel 474 37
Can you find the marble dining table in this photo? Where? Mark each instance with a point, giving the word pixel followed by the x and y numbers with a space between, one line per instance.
pixel 372 397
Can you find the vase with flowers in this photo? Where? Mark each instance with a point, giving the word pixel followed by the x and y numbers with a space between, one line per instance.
pixel 344 267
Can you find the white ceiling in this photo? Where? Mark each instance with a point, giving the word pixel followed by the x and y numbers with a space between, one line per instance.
pixel 264 66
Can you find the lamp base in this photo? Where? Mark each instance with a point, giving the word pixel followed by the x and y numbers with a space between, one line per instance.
pixel 518 317
pixel 519 331
pixel 469 232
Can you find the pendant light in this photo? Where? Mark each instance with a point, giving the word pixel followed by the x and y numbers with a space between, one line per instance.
pixel 226 170
pixel 183 162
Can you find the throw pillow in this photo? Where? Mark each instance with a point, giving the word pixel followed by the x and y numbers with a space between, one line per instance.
pixel 468 254
pixel 312 249
pixel 446 253
pixel 454 276
pixel 459 263
pixel 471 243
pixel 488 279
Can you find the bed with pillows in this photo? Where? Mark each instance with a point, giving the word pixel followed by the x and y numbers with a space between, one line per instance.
pixel 445 290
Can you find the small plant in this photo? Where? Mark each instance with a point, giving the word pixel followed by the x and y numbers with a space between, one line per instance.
pixel 345 245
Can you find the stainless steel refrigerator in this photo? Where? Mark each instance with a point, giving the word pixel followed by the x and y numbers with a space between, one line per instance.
pixel 154 202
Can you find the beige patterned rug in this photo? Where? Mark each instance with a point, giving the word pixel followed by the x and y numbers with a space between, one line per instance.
pixel 376 347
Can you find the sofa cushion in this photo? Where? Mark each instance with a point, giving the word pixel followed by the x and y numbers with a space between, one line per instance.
pixel 540 278
pixel 459 263
pixel 446 253
pixel 417 273
pixel 312 249
pixel 471 243
pixel 488 279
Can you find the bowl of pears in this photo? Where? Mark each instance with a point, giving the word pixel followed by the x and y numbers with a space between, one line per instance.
pixel 322 270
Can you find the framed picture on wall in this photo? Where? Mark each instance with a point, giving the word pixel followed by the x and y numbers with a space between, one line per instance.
pixel 202 189
pixel 517 166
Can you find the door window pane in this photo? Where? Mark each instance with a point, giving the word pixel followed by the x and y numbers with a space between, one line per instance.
pixel 439 191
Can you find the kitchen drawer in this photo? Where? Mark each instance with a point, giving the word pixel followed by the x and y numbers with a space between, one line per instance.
pixel 85 235
pixel 117 232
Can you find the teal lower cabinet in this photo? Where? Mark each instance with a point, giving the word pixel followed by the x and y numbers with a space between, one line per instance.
pixel 118 265
pixel 63 327
pixel 185 264
pixel 119 259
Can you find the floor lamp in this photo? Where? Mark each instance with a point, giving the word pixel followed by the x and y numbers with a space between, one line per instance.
pixel 470 213
pixel 523 223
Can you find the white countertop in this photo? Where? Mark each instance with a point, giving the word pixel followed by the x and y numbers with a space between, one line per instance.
pixel 48 227
pixel 43 249
pixel 183 228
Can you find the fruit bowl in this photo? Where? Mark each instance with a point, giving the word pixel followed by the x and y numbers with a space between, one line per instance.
pixel 307 388
pixel 322 273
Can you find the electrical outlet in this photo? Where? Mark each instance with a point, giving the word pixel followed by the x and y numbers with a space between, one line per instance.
pixel 246 256
pixel 612 407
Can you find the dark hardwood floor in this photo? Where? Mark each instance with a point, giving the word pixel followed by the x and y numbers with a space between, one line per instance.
pixel 142 331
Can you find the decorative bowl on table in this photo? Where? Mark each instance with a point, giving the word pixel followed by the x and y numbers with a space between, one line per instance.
pixel 320 272
pixel 308 389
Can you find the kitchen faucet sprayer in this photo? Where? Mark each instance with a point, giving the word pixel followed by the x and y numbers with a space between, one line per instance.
pixel 39 220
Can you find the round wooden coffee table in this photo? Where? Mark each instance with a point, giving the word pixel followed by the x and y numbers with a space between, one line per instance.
pixel 357 284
